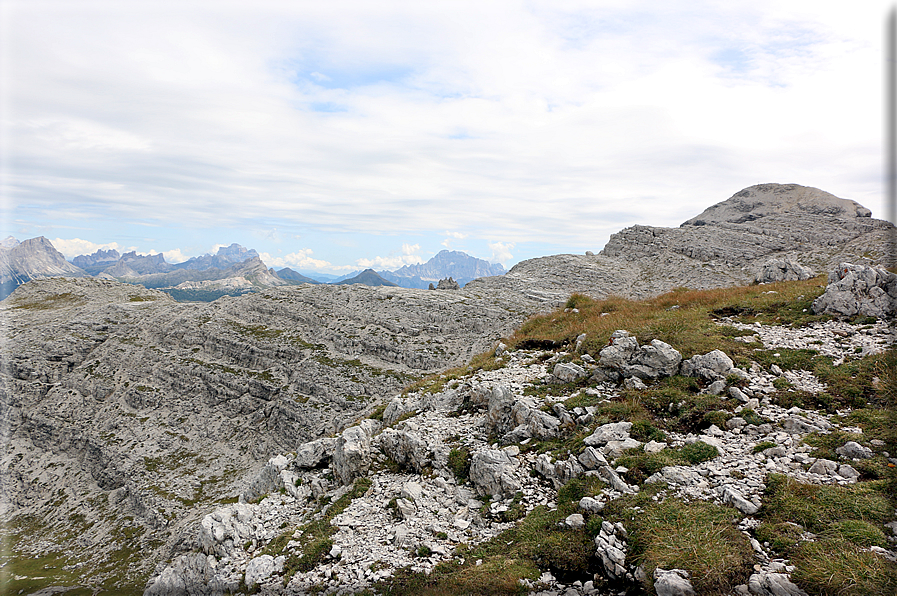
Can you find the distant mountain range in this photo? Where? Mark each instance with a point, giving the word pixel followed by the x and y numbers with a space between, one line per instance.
pixel 233 270
pixel 447 263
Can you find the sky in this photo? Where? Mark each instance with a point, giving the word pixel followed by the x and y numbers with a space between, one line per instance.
pixel 344 135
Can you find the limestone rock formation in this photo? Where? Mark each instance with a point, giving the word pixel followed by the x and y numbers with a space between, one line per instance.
pixel 859 290
pixel 725 245
pixel 786 269
pixel 147 410
pixel 448 284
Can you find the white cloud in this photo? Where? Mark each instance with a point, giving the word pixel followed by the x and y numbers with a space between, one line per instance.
pixel 300 259
pixel 394 261
pixel 510 120
pixel 72 247
pixel 501 251
pixel 451 236
pixel 174 256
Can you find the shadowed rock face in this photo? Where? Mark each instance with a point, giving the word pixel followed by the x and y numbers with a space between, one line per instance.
pixel 113 392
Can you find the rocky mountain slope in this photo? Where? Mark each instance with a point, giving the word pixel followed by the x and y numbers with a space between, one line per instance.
pixel 368 277
pixel 135 413
pixel 127 417
pixel 445 482
pixel 726 245
pixel 290 275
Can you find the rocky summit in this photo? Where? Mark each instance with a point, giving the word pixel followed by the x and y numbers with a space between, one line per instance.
pixel 729 244
pixel 345 439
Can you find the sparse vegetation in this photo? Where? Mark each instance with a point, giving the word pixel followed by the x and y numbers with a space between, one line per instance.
pixel 315 535
pixel 690 327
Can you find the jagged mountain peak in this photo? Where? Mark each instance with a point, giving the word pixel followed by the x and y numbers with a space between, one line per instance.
pixel 236 253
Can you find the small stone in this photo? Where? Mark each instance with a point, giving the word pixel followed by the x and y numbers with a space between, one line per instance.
pixel 674 582
pixel 853 450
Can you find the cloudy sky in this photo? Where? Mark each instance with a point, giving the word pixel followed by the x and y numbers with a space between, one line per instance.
pixel 339 135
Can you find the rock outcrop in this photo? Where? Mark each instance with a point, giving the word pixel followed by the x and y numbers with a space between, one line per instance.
pixel 775 270
pixel 859 290
pixel 727 244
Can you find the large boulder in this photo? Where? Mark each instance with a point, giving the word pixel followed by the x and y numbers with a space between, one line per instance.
pixel 785 269
pixel 406 449
pixel 567 372
pixel 614 431
pixel 491 472
pixel 620 351
pixel 314 454
pixel 859 290
pixel 261 568
pixel 518 418
pixel 711 367
pixel 352 455
pixel 773 584
pixel 191 574
pixel 673 582
pixel 560 472
pixel 659 359
pixel 267 480
pixel 225 528
pixel 498 416
pixel 649 361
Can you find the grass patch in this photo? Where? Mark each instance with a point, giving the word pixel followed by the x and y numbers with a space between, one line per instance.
pixel 698 536
pixel 459 463
pixel 255 331
pixel 837 566
pixel 689 327
pixel 816 506
pixel 64 300
pixel 675 404
pixel 536 543
pixel 846 519
pixel 437 382
pixel 825 444
pixel 642 465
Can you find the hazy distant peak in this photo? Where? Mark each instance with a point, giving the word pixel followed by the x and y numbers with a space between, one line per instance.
pixel 9 242
pixel 98 258
pixel 446 263
pixel 236 253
